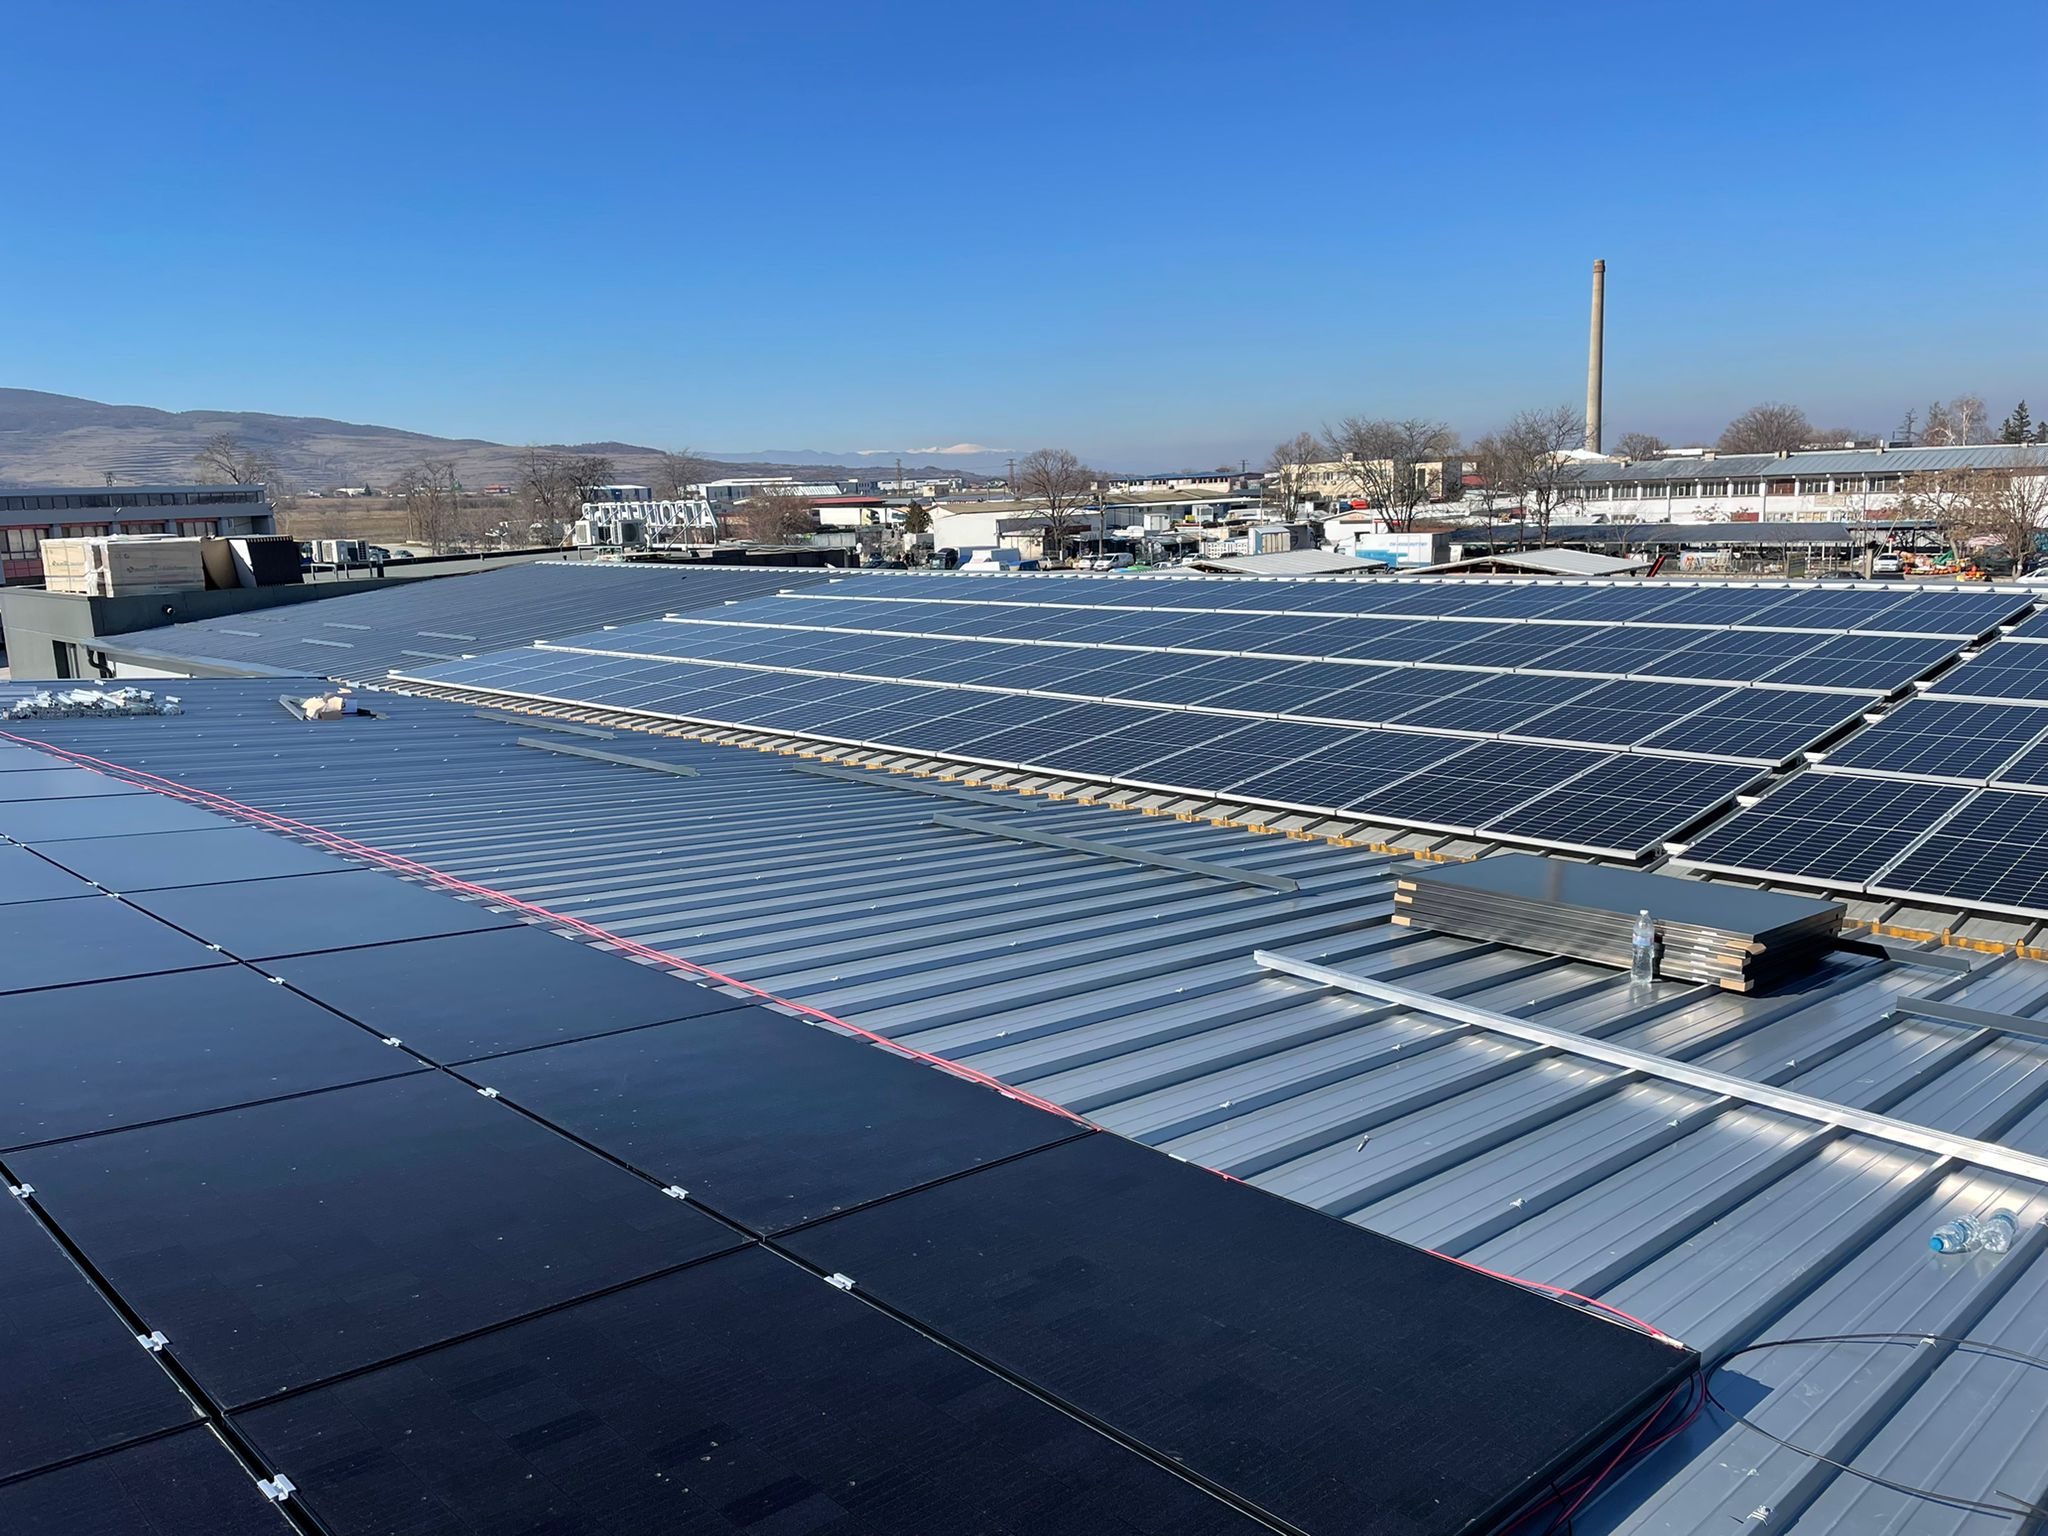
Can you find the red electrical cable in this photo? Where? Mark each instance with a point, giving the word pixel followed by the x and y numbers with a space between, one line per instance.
pixel 400 864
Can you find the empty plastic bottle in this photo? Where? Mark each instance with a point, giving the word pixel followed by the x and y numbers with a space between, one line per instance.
pixel 1642 960
pixel 1966 1234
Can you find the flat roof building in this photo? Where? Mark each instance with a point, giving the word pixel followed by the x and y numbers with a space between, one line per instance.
pixel 31 513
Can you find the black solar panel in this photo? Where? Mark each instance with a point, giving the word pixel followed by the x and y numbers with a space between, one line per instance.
pixel 1829 827
pixel 186 1484
pixel 1939 739
pixel 26 876
pixel 280 1244
pixel 89 938
pixel 770 1121
pixel 741 1395
pixel 75 1380
pixel 110 1054
pixel 1627 805
pixel 1373 1387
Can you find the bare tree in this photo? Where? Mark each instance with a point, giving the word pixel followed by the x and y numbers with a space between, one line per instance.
pixel 774 516
pixel 432 497
pixel 1393 466
pixel 1061 485
pixel 1772 427
pixel 2007 506
pixel 1956 422
pixel 1641 445
pixel 1535 454
pixel 224 456
pixel 676 471
pixel 552 486
pixel 1287 473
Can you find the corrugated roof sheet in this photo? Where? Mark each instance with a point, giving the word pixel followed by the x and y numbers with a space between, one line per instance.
pixel 362 636
pixel 1128 990
pixel 1846 461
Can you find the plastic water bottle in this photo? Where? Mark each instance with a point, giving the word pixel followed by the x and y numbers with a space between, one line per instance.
pixel 1966 1234
pixel 1642 959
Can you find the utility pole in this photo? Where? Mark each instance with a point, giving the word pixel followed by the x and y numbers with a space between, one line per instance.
pixel 1013 479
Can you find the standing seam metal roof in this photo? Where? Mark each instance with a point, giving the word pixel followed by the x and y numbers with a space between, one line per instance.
pixel 1127 990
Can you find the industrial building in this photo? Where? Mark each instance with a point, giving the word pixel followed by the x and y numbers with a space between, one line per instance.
pixel 491 1228
pixel 1840 484
pixel 30 514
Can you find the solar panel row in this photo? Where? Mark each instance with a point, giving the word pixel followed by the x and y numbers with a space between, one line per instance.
pixel 1818 658
pixel 1409 776
pixel 1533 706
pixel 1884 610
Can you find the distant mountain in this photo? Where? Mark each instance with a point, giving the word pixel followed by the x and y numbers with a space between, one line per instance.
pixel 48 439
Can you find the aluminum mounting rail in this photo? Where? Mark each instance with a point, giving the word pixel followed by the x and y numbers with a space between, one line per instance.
pixel 1827 1112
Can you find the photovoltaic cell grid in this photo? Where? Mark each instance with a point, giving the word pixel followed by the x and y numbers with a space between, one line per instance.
pixel 419 1292
pixel 908 671
pixel 1832 828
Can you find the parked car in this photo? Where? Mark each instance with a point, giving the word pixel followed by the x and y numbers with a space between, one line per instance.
pixel 1887 565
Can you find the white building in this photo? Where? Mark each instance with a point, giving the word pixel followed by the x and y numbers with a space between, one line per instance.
pixel 1841 484
pixel 729 493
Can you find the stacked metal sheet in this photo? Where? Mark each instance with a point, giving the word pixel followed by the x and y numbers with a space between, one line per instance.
pixel 1731 936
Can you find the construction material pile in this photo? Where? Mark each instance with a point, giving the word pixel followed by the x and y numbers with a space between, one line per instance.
pixel 81 703
pixel 1731 936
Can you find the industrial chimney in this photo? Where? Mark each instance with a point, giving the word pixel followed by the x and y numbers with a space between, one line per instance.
pixel 1593 357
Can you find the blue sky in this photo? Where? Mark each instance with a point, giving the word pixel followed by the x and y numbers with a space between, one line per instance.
pixel 1157 234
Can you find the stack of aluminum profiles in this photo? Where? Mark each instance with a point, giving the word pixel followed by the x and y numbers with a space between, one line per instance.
pixel 1728 935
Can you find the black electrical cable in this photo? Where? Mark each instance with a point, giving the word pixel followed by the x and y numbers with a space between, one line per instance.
pixel 2019 1509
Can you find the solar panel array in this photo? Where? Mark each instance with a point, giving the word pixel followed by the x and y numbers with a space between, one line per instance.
pixel 1588 716
pixel 362 635
pixel 1941 798
pixel 436 1222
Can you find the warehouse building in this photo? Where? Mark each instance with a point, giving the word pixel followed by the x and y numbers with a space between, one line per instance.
pixel 1848 484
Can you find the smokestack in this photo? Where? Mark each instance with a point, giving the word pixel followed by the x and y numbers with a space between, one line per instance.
pixel 1593 357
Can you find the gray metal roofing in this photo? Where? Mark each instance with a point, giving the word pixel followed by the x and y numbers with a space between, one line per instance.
pixel 362 636
pixel 1125 988
pixel 1844 461
pixel 1721 533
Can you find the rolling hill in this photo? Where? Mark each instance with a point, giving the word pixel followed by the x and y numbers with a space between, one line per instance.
pixel 48 439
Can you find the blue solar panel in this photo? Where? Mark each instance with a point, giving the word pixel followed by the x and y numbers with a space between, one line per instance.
pixel 1735 655
pixel 1151 734
pixel 1477 785
pixel 2001 672
pixel 1940 739
pixel 1824 609
pixel 1765 725
pixel 1827 827
pixel 1610 652
pixel 1620 714
pixel 1866 663
pixel 1492 704
pixel 1627 805
pixel 1964 615
pixel 1604 604
pixel 1345 771
pixel 1992 852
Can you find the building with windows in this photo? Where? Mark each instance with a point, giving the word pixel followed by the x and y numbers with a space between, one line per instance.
pixel 1842 484
pixel 30 514
pixel 726 494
